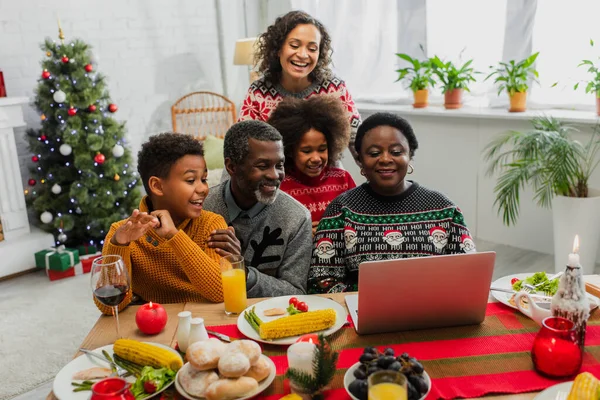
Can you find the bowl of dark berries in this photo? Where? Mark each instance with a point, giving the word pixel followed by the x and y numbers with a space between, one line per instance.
pixel 372 360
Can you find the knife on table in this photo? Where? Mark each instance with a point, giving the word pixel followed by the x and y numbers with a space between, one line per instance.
pixel 221 336
pixel 119 371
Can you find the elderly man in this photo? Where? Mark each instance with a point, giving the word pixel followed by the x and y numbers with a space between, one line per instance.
pixel 274 230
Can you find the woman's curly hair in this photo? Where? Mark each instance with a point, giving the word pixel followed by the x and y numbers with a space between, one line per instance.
pixel 270 43
pixel 294 117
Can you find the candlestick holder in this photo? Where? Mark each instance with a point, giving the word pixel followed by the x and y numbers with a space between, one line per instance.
pixel 556 351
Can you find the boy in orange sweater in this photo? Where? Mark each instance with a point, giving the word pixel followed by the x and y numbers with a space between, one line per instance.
pixel 165 244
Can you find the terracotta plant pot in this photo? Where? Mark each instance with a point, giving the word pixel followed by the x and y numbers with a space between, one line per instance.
pixel 421 98
pixel 453 99
pixel 518 102
pixel 598 105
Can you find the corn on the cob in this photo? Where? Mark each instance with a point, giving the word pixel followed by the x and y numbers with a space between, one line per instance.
pixel 146 354
pixel 298 324
pixel 585 387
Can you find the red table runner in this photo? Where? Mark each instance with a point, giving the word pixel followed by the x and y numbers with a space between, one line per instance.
pixel 464 362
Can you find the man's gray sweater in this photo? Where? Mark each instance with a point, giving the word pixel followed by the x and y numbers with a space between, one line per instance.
pixel 276 243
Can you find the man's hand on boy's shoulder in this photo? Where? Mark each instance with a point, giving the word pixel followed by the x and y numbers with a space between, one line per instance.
pixel 166 228
pixel 136 226
pixel 225 242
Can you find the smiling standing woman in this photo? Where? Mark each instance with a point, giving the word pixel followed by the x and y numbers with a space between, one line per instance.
pixel 294 56
pixel 388 217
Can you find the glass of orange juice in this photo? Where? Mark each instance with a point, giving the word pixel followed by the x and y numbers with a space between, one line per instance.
pixel 233 273
pixel 387 385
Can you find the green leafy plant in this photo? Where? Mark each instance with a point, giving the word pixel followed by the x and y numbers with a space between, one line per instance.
pixel 593 85
pixel 514 76
pixel 451 76
pixel 545 157
pixel 418 74
pixel 324 365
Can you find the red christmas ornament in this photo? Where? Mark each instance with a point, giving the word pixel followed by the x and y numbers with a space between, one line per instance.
pixel 72 111
pixel 35 159
pixel 92 108
pixel 31 182
pixel 99 158
pixel 45 74
pixel 88 68
pixel 43 138
pixel 65 59
pixel 112 108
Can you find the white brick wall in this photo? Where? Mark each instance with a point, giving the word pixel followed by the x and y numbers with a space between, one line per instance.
pixel 151 51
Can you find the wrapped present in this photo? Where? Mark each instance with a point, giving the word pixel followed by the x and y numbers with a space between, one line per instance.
pixel 57 259
pixel 88 249
pixel 86 261
pixel 56 275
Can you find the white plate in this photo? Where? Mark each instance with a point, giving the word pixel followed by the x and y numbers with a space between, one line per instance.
pixel 552 392
pixel 504 283
pixel 62 387
pixel 262 385
pixel 349 378
pixel 313 303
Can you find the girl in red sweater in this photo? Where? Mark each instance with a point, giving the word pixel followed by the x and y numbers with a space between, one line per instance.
pixel 315 132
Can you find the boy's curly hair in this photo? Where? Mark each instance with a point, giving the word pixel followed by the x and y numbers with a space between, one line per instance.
pixel 294 117
pixel 162 151
pixel 270 42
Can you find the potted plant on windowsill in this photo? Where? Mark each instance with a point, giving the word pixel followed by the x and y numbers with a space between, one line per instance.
pixel 455 80
pixel 418 76
pixel 558 168
pixel 593 85
pixel 514 77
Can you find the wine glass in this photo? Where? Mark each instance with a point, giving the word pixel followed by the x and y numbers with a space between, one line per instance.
pixel 110 283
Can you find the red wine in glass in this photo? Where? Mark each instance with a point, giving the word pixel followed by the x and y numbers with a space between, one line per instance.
pixel 110 283
pixel 111 295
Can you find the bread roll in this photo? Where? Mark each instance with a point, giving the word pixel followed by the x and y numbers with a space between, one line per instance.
pixel 247 347
pixel 233 365
pixel 195 382
pixel 205 354
pixel 260 370
pixel 230 389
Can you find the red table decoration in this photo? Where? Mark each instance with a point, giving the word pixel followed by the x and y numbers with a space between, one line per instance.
pixel 556 352
pixel 112 389
pixel 151 318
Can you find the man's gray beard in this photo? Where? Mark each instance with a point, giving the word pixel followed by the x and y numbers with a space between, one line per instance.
pixel 265 199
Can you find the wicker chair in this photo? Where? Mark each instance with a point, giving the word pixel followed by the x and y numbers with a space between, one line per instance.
pixel 203 113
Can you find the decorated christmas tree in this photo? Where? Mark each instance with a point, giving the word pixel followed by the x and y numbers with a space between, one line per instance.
pixel 81 177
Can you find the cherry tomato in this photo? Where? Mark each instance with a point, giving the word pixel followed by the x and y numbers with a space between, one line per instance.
pixel 294 301
pixel 149 387
pixel 514 280
pixel 302 306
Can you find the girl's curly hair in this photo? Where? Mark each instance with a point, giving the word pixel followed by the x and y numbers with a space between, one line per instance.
pixel 270 42
pixel 294 117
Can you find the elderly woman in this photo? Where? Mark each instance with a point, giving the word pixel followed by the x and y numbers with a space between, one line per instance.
pixel 294 56
pixel 387 217
pixel 315 133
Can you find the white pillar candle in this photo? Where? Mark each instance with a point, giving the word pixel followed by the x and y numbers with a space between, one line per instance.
pixel 300 357
pixel 574 256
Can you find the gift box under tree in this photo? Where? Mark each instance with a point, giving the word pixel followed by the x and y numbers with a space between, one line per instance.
pixel 57 259
pixel 88 249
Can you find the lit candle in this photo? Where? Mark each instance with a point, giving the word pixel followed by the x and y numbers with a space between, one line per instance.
pixel 300 357
pixel 574 256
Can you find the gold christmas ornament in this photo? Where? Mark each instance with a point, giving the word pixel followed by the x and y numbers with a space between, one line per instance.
pixel 117 177
pixel 26 191
pixel 61 35
pixel 43 117
pixel 43 181
pixel 48 53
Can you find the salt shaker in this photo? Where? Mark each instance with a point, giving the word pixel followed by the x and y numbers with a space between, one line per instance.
pixel 570 300
pixel 197 331
pixel 183 330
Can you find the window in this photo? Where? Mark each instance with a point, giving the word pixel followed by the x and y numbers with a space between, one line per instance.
pixel 562 33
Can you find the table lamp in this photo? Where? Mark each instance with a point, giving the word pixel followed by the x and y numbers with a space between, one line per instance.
pixel 244 55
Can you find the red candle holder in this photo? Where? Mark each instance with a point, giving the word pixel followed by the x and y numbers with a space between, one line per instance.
pixel 112 389
pixel 556 352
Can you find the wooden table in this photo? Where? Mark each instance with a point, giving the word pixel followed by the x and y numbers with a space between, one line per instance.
pixel 104 332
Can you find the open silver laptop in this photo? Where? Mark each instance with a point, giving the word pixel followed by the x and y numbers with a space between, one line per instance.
pixel 421 292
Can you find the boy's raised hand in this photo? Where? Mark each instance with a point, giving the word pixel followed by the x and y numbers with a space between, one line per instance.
pixel 225 242
pixel 166 228
pixel 136 226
